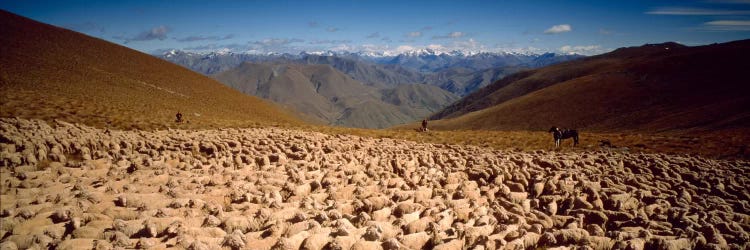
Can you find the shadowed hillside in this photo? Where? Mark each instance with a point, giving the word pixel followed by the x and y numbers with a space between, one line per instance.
pixel 462 81
pixel 49 73
pixel 652 88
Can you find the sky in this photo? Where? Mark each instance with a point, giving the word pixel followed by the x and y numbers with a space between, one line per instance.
pixel 391 27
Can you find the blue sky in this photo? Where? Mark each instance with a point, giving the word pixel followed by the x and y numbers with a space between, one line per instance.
pixel 586 27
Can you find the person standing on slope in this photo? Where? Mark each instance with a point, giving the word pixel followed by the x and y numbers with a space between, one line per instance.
pixel 424 125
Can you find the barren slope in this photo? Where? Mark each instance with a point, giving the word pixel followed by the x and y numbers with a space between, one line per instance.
pixel 49 73
pixel 662 87
pixel 332 97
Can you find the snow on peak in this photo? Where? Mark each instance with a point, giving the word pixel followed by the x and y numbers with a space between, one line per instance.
pixel 407 51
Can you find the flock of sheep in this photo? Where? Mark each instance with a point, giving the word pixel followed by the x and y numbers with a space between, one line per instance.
pixel 68 186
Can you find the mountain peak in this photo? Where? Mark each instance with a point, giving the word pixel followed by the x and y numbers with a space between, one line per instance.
pixel 666 45
pixel 422 52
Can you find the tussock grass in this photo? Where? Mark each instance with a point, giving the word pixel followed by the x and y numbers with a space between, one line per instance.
pixel 717 145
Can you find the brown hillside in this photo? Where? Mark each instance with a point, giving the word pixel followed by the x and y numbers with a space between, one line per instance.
pixel 49 73
pixel 652 88
pixel 326 95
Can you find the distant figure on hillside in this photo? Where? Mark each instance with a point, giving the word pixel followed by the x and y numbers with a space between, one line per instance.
pixel 179 117
pixel 424 125
pixel 559 135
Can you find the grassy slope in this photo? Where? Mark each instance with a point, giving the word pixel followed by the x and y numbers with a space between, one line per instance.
pixel 49 73
pixel 653 88
pixel 648 99
pixel 722 145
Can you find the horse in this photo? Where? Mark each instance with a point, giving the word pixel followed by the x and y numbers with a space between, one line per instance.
pixel 559 135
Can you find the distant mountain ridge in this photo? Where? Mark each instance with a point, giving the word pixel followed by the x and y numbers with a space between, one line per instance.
pixel 420 66
pixel 326 95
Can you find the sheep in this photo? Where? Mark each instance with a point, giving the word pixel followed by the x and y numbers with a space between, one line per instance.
pixel 570 236
pixel 406 208
pixel 160 185
pixel 451 245
pixel 415 240
pixel 366 245
pixel 315 242
pixel 235 240
pixel 69 244
pixel 342 242
pixel 416 226
pixel 382 214
pixel 230 224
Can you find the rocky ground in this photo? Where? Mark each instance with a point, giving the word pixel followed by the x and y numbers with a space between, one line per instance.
pixel 69 186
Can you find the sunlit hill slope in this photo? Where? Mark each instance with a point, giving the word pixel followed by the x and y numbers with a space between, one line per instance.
pixel 50 73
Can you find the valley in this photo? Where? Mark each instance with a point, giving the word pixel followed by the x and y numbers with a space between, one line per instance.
pixel 323 150
pixel 430 80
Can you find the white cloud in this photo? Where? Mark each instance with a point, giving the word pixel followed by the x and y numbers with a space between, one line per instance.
pixel 452 35
pixel 270 42
pixel 342 47
pixel 204 38
pixel 583 50
pixel 468 45
pixel 560 28
pixel 679 11
pixel 414 34
pixel 155 33
pixel 404 48
pixel 436 47
pixel 728 25
pixel 328 41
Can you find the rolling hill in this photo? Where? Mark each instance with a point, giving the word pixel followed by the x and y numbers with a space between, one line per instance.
pixel 326 95
pixel 651 88
pixel 47 72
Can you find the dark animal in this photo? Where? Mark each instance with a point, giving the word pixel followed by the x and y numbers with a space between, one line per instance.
pixel 178 117
pixel 559 135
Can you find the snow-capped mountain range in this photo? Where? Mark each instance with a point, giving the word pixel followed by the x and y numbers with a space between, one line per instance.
pixel 423 52
pixel 424 60
pixel 459 72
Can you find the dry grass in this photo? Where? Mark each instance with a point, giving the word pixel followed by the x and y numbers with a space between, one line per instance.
pixel 644 89
pixel 51 73
pixel 717 145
